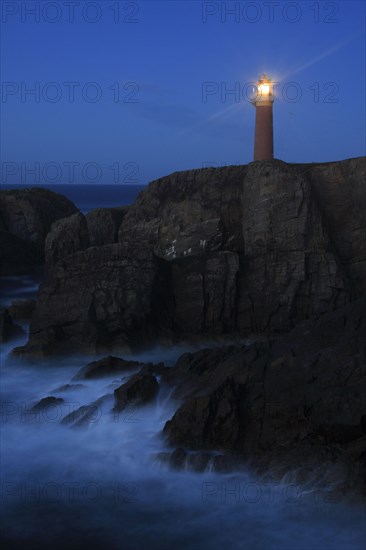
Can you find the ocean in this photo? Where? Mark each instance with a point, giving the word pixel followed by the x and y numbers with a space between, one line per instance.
pixel 101 486
pixel 87 197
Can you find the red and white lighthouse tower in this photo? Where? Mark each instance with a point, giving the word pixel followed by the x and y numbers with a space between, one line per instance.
pixel 263 140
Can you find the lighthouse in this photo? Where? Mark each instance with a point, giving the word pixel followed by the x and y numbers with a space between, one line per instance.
pixel 263 103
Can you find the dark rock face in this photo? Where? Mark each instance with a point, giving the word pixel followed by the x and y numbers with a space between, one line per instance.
pixel 21 310
pixel 110 298
pixel 296 402
pixel 27 216
pixel 8 330
pixel 103 225
pixel 105 367
pixel 192 221
pixel 139 390
pixel 66 236
pixel 340 192
pixel 292 272
pixel 17 256
pixel 204 421
pixel 235 250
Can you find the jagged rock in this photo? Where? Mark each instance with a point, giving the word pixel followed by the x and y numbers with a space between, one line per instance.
pixel 46 402
pixel 139 390
pixel 86 414
pixel 83 414
pixel 294 403
pixel 66 236
pixel 188 213
pixel 8 330
pixel 27 216
pixel 105 367
pixel 110 299
pixel 211 421
pixel 104 223
pixel 21 310
pixel 213 252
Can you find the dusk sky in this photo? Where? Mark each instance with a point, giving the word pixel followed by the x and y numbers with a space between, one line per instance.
pixel 175 64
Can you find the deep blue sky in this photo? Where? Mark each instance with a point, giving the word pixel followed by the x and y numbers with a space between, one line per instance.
pixel 164 53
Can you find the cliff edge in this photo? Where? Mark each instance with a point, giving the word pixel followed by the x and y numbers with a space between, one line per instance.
pixel 212 253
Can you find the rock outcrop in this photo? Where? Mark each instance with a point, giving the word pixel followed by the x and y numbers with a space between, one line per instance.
pixel 26 218
pixel 297 403
pixel 212 252
pixel 104 224
pixel 86 414
pixel 105 367
pixel 271 252
pixel 110 298
pixel 66 236
pixel 139 390
pixel 47 402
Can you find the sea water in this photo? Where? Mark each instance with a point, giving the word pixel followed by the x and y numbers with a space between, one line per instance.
pixel 101 485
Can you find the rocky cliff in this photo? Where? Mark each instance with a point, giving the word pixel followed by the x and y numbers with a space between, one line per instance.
pixel 296 404
pixel 270 251
pixel 211 253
